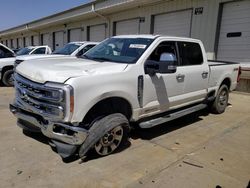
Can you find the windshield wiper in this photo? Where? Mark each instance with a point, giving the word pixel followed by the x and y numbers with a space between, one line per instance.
pixel 101 58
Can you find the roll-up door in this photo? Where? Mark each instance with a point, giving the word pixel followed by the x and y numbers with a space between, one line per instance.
pixel 20 42
pixel 75 35
pixel 127 27
pixel 234 37
pixel 58 40
pixel 36 40
pixel 45 39
pixel 97 33
pixel 27 41
pixel 173 24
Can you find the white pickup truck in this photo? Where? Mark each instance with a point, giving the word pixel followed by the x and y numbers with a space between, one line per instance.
pixel 8 57
pixel 91 102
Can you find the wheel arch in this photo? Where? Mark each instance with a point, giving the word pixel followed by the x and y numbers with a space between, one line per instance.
pixel 106 106
pixel 227 81
pixel 6 68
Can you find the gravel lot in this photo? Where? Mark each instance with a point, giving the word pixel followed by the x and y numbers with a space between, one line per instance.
pixel 200 150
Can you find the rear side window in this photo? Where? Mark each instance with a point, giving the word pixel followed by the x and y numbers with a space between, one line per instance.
pixel 190 53
pixel 39 51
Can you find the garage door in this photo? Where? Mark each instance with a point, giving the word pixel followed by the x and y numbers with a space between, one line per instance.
pixel 127 27
pixel 175 23
pixel 58 40
pixel 75 35
pixel 45 39
pixel 234 38
pixel 97 33
pixel 27 41
pixel 20 42
pixel 35 40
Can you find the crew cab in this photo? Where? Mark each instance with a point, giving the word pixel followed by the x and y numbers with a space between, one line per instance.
pixel 8 57
pixel 70 49
pixel 90 103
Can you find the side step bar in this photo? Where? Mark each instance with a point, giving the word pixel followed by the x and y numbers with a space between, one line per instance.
pixel 169 117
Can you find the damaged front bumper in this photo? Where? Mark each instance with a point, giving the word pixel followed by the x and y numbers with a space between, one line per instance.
pixel 65 137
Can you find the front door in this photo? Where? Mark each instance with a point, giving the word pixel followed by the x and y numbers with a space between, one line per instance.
pixel 162 91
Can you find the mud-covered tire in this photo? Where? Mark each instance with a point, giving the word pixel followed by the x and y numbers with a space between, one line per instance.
pixel 7 78
pixel 220 103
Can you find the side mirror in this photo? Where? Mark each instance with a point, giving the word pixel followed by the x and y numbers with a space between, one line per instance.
pixel 167 64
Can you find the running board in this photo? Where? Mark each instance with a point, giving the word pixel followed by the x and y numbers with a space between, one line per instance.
pixel 169 117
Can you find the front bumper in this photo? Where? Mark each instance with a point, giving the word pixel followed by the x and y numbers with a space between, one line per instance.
pixel 57 131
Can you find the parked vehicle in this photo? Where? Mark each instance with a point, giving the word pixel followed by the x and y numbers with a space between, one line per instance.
pixel 89 103
pixel 70 49
pixel 8 59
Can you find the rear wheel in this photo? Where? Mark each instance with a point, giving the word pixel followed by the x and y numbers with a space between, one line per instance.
pixel 8 79
pixel 220 103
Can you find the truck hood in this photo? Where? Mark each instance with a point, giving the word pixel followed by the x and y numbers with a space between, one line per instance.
pixel 37 56
pixel 61 69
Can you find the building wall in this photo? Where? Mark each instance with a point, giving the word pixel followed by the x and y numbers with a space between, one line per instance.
pixel 203 25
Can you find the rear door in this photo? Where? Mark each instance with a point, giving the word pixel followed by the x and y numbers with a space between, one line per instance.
pixel 193 72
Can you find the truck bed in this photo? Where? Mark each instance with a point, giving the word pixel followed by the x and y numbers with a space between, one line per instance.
pixel 220 70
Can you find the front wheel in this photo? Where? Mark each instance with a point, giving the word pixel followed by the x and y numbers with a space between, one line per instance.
pixel 220 103
pixel 110 141
pixel 114 137
pixel 8 79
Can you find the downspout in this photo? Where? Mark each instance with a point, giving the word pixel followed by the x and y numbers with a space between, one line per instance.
pixel 103 17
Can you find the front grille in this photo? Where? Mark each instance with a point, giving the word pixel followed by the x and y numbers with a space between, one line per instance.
pixel 39 98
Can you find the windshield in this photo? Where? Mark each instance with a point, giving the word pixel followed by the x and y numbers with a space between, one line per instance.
pixel 68 49
pixel 121 50
pixel 25 51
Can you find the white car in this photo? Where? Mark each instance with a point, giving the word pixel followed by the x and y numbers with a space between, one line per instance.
pixel 8 57
pixel 70 49
pixel 91 102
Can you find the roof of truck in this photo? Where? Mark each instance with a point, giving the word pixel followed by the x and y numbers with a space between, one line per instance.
pixel 148 36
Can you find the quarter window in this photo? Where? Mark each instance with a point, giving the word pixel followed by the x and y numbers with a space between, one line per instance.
pixel 190 53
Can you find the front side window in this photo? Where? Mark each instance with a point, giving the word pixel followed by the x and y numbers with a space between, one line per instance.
pixel 39 51
pixel 165 52
pixel 25 51
pixel 120 50
pixel 190 53
pixel 68 49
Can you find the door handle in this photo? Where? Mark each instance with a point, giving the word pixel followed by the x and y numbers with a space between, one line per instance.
pixel 180 77
pixel 204 74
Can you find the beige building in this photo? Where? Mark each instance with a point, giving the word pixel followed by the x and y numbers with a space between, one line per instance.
pixel 222 25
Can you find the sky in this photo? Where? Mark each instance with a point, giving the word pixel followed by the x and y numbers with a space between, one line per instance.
pixel 17 12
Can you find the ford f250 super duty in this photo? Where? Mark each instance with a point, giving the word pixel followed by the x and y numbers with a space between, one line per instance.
pixel 91 102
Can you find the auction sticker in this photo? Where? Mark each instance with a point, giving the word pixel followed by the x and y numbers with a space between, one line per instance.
pixel 141 46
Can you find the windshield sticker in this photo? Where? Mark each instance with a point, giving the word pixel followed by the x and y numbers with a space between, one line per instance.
pixel 141 46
